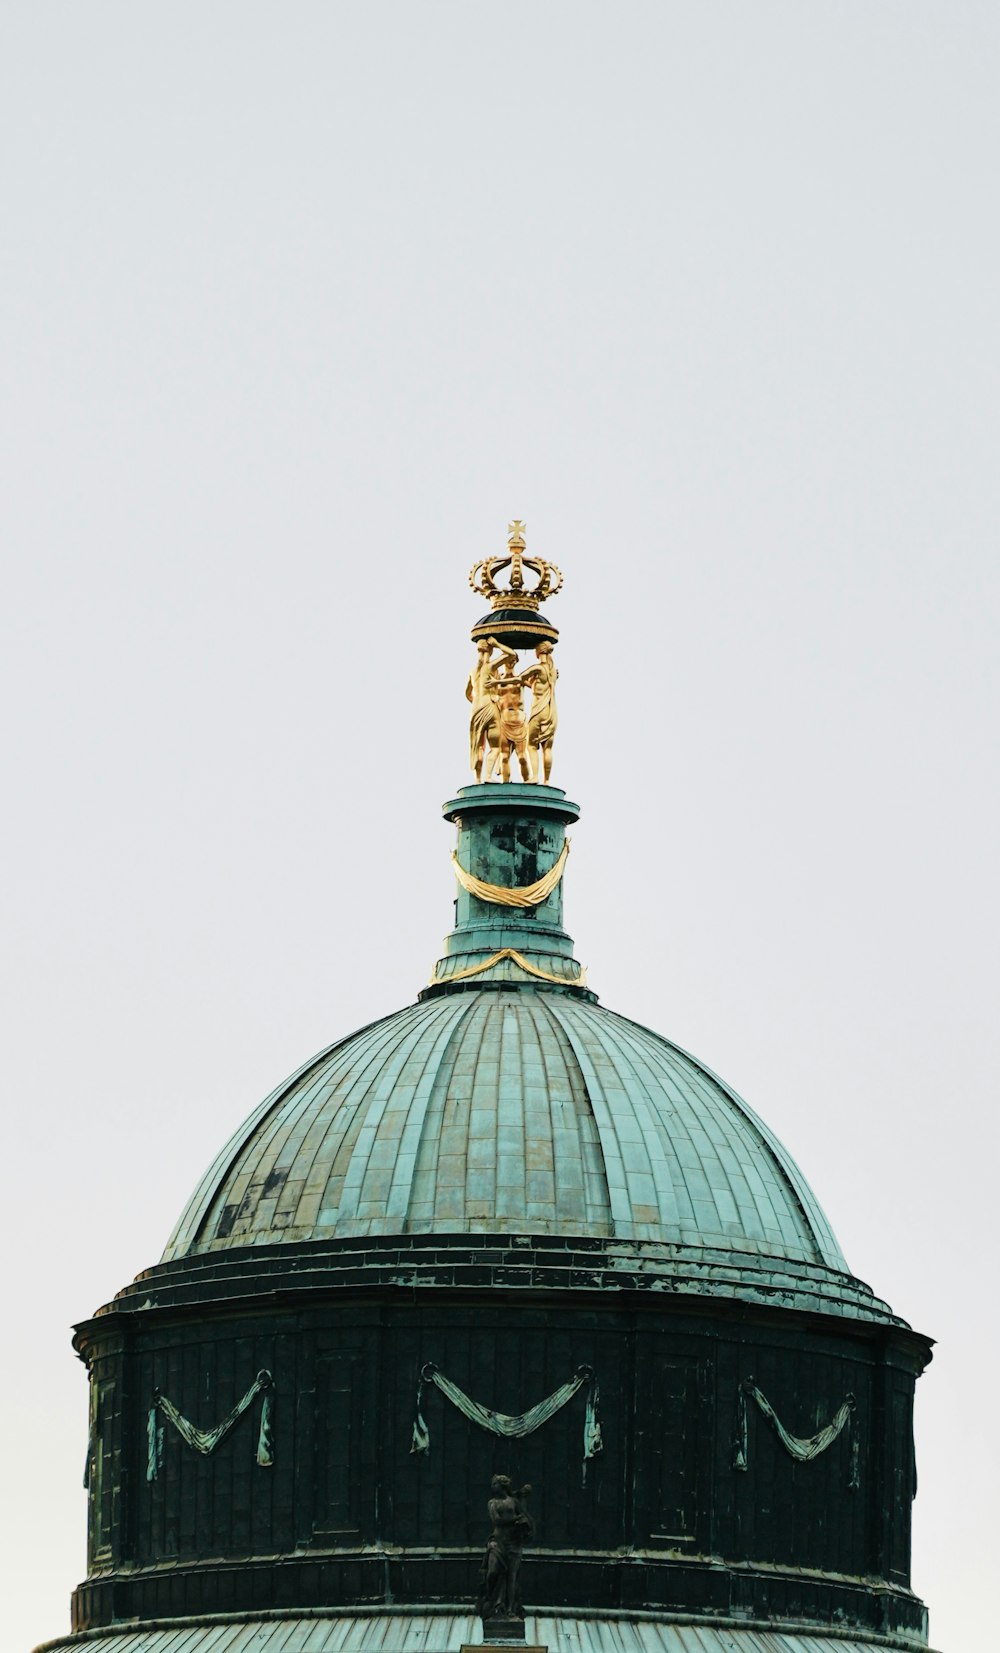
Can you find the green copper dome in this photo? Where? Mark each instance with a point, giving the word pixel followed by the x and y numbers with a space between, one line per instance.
pixel 509 1103
pixel 518 1109
pixel 522 1110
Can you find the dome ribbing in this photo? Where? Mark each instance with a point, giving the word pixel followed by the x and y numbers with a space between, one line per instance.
pixel 520 1109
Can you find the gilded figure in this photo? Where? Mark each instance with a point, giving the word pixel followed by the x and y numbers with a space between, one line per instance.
pixel 484 724
pixel 542 719
pixel 508 692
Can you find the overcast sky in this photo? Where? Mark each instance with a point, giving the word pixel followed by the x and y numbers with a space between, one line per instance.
pixel 300 303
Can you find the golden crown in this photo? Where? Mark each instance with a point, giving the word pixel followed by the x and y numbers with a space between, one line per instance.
pixel 515 594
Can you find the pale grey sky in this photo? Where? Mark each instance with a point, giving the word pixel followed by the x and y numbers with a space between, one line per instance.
pixel 300 303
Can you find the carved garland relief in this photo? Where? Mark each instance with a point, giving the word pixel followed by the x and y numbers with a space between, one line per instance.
pixel 508 1426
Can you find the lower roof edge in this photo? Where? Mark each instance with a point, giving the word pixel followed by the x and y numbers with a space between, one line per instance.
pixel 652 1632
pixel 513 1258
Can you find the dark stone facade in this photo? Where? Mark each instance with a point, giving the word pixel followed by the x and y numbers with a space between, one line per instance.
pixel 346 1514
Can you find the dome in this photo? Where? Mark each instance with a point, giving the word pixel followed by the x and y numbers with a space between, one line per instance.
pixel 517 1108
pixel 445 1227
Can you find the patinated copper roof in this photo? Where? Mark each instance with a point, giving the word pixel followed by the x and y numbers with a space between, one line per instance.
pixel 447 1631
pixel 508 1111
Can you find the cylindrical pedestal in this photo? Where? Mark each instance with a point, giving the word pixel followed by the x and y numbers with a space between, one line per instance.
pixel 509 836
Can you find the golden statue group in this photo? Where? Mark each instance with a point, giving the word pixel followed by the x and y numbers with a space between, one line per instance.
pixel 500 726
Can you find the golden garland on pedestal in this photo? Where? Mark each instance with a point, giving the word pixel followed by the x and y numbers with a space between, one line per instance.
pixel 522 963
pixel 530 895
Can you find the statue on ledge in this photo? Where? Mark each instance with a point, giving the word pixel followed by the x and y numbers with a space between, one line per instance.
pixel 499 1604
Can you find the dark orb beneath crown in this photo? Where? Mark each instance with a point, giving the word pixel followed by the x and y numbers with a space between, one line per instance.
pixel 519 628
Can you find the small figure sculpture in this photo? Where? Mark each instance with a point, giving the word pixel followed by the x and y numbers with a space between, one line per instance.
pixel 512 1526
pixel 542 719
pixel 508 692
pixel 484 725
